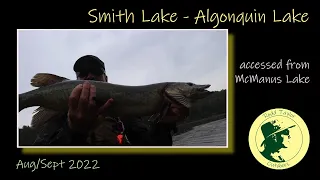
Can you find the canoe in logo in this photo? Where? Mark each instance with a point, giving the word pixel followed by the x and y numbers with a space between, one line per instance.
pixel 279 139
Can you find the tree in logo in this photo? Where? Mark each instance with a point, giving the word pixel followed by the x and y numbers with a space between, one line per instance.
pixel 273 141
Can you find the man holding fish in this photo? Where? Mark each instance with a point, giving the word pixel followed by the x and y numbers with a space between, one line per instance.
pixel 84 115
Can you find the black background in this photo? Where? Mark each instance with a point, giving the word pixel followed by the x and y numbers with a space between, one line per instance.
pixel 254 42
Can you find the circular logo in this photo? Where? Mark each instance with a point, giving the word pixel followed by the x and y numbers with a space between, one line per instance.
pixel 279 139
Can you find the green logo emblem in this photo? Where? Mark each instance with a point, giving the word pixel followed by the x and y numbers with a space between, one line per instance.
pixel 279 139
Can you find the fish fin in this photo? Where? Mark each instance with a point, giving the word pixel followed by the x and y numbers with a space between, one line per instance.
pixel 180 99
pixel 45 79
pixel 42 115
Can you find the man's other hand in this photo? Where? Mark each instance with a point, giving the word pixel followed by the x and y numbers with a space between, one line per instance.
pixel 82 107
pixel 176 113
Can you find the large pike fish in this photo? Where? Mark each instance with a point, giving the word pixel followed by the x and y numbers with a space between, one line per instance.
pixel 136 101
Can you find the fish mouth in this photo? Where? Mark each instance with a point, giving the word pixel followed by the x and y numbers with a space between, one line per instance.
pixel 203 87
pixel 201 91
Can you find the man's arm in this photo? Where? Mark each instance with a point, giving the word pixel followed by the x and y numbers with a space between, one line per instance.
pixel 56 132
pixel 158 133
pixel 163 133
pixel 137 132
pixel 141 133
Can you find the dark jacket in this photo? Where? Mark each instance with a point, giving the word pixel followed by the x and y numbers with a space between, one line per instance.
pixel 143 133
pixel 139 133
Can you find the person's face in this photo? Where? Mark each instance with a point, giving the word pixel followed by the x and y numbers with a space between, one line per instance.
pixel 285 138
pixel 281 139
pixel 92 76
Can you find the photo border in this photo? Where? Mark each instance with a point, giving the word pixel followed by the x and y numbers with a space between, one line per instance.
pixel 229 149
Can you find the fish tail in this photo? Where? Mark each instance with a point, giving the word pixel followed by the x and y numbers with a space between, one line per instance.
pixel 23 101
pixel 30 98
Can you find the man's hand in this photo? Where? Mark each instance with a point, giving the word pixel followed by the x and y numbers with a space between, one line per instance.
pixel 82 107
pixel 176 113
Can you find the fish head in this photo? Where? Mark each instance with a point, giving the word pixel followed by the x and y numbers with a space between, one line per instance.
pixel 187 93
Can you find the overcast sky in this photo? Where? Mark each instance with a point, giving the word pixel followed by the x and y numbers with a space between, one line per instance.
pixel 131 57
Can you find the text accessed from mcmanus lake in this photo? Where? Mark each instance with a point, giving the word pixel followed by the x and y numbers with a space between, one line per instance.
pixel 284 66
